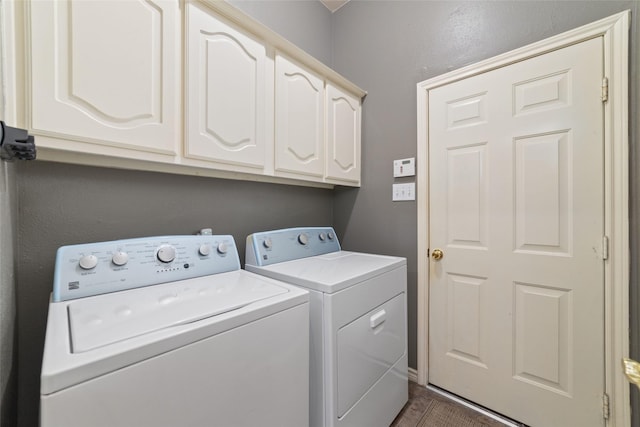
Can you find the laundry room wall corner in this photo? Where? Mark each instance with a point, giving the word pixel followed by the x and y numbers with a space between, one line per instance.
pixel 8 369
pixel 62 204
pixel 8 226
pixel 422 40
pixel 306 23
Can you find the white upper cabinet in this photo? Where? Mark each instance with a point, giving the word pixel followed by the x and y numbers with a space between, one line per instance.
pixel 182 86
pixel 106 73
pixel 343 137
pixel 226 99
pixel 299 120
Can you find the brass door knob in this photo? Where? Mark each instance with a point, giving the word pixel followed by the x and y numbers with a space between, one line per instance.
pixel 437 254
pixel 632 370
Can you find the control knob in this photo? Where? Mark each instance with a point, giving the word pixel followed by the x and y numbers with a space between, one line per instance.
pixel 166 253
pixel 120 258
pixel 222 248
pixel 88 262
pixel 322 236
pixel 204 249
pixel 267 243
pixel 303 239
pixel 330 235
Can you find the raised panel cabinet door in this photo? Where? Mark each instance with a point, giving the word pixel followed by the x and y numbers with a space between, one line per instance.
pixel 106 72
pixel 343 136
pixel 226 84
pixel 299 126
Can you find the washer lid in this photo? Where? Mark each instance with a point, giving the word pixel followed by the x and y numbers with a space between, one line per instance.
pixel 98 321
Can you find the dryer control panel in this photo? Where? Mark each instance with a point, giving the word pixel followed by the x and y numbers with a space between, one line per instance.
pixel 270 247
pixel 98 268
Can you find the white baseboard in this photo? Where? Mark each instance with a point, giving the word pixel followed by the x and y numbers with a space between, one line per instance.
pixel 413 375
pixel 506 421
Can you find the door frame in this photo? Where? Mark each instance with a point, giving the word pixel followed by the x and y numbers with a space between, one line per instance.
pixel 615 33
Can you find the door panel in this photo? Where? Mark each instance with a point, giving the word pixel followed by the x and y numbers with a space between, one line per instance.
pixel 343 135
pixel 226 93
pixel 467 196
pixel 542 211
pixel 299 125
pixel 516 204
pixel 114 85
pixel 542 336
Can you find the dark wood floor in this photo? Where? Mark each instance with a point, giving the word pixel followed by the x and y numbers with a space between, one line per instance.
pixel 426 408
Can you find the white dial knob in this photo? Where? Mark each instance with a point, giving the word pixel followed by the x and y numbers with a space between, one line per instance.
pixel 88 262
pixel 303 239
pixel 330 235
pixel 204 249
pixel 267 243
pixel 166 253
pixel 120 258
pixel 322 236
pixel 222 248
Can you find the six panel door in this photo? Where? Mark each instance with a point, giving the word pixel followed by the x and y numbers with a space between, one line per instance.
pixel 516 205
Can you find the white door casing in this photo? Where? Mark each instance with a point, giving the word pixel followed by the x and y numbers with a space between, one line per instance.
pixel 614 35
pixel 516 186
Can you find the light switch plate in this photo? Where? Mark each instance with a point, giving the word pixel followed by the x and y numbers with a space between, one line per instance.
pixel 404 192
pixel 404 167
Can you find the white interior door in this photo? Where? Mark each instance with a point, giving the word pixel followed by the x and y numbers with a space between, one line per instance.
pixel 516 205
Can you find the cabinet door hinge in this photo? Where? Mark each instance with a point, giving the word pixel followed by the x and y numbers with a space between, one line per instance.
pixel 605 247
pixel 605 406
pixel 605 89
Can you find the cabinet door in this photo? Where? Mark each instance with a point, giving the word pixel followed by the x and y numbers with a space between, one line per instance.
pixel 226 99
pixel 343 136
pixel 106 72
pixel 299 126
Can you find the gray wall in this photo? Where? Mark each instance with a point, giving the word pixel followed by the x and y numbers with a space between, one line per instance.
pixel 386 47
pixel 64 204
pixel 8 210
pixel 305 23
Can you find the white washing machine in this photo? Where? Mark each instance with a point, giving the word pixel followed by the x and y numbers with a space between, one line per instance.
pixel 358 318
pixel 169 331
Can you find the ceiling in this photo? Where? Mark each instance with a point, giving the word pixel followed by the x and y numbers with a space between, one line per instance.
pixel 334 5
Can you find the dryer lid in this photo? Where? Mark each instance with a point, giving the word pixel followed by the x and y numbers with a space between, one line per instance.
pixel 98 321
pixel 330 272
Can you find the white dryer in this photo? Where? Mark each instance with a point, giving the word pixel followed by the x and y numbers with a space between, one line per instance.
pixel 358 318
pixel 168 331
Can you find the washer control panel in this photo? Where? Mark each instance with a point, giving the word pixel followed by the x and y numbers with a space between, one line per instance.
pixel 97 268
pixel 270 247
